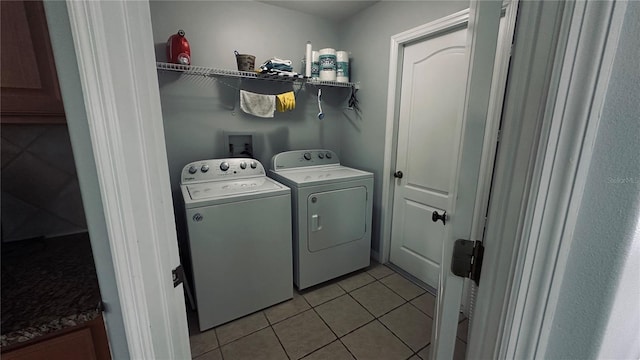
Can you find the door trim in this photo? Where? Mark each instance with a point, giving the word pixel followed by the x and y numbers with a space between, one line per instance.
pixel 122 101
pixel 582 70
pixel 554 104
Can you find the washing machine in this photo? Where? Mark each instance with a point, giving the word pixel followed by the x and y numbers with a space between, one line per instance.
pixel 239 231
pixel 331 214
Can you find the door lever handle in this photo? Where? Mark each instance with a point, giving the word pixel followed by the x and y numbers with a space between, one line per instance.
pixel 398 174
pixel 435 217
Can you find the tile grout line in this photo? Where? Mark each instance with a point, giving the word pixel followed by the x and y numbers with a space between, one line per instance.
pixel 395 292
pixel 220 348
pixel 274 330
pixel 429 316
pixel 405 302
pixel 397 336
pixel 383 324
pixel 409 301
pixel 218 341
pixel 383 314
pixel 339 338
pixel 329 327
pixel 280 341
pixel 382 277
pixel 301 312
pixel 288 317
pixel 326 301
pixel 348 350
pixel 243 336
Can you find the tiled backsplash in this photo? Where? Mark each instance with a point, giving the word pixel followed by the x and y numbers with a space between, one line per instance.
pixel 40 191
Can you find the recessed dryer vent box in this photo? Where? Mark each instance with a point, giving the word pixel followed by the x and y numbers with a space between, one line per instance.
pixel 239 144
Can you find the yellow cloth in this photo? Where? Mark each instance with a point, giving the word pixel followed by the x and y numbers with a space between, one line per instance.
pixel 286 101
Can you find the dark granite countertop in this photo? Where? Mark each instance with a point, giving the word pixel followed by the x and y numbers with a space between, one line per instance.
pixel 47 285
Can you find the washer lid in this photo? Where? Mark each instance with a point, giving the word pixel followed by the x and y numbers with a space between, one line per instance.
pixel 313 175
pixel 218 189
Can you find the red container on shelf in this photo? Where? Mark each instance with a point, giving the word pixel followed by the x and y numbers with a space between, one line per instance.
pixel 178 50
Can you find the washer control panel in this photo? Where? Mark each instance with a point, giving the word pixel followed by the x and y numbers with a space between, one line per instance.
pixel 220 169
pixel 301 158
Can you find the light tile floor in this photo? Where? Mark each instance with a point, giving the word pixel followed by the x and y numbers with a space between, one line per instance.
pixel 375 313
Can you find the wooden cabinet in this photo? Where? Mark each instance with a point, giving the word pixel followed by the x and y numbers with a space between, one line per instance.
pixel 87 341
pixel 29 83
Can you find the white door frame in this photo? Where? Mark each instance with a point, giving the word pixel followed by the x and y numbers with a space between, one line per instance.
pixel 444 24
pixel 570 126
pixel 116 62
pixel 552 114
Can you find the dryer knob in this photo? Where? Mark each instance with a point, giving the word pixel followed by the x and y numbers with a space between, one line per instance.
pixel 328 155
pixel 320 156
pixel 254 164
pixel 224 166
pixel 243 165
pixel 307 156
pixel 204 168
pixel 193 169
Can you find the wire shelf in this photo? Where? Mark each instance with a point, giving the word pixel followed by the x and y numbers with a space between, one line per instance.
pixel 209 72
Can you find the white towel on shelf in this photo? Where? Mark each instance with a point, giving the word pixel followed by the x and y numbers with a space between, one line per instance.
pixel 257 104
pixel 275 60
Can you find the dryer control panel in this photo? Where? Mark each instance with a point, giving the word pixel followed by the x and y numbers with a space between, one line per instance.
pixel 301 158
pixel 220 169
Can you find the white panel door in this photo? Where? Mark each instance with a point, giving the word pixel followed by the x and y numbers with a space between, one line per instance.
pixel 431 104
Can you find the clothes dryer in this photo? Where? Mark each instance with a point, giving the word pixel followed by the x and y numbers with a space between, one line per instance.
pixel 239 227
pixel 331 214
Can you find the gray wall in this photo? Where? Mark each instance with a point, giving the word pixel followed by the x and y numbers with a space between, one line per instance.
pixel 367 36
pixel 71 89
pixel 598 314
pixel 40 191
pixel 197 111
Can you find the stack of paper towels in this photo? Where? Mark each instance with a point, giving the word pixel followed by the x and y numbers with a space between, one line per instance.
pixel 329 65
pixel 342 70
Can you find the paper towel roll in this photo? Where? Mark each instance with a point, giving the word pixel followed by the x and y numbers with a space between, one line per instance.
pixel 315 64
pixel 327 64
pixel 308 60
pixel 342 68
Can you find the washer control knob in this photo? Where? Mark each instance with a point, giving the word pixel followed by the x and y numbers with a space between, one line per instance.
pixel 204 168
pixel 193 169
pixel 254 164
pixel 307 156
pixel 328 155
pixel 224 166
pixel 320 155
pixel 243 165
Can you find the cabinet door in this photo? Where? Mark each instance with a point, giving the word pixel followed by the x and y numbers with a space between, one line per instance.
pixel 77 345
pixel 30 92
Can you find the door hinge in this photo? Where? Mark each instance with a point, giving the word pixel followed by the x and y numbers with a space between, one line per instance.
pixel 467 259
pixel 178 275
